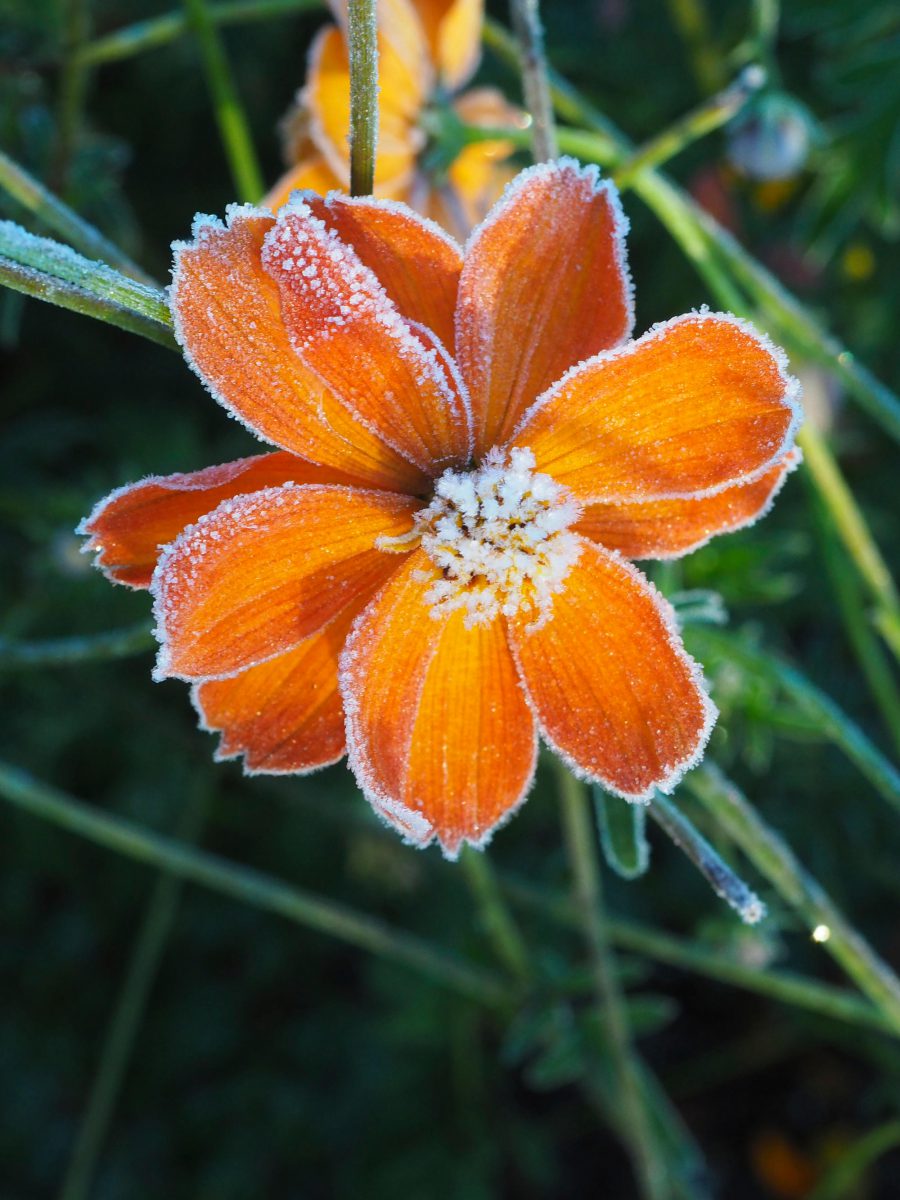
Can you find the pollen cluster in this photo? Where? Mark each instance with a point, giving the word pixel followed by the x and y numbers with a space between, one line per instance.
pixel 499 535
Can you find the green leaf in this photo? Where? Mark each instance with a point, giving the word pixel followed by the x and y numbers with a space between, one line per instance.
pixel 622 827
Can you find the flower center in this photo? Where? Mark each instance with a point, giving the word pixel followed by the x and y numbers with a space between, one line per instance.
pixel 500 537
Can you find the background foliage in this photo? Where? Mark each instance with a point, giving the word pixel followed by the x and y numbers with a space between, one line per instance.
pixel 273 1060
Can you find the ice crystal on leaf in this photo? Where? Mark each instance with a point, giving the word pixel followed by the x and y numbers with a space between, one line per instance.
pixel 436 564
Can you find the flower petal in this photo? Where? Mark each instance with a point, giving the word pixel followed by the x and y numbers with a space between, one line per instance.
pixel 310 174
pixel 229 322
pixel 414 260
pixel 129 527
pixel 344 326
pixel 261 573
pixel 673 528
pixel 614 691
pixel 696 405
pixel 544 285
pixel 439 735
pixel 453 30
pixel 285 715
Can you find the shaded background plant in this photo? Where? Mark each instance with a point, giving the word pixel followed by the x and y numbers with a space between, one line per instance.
pixel 275 1058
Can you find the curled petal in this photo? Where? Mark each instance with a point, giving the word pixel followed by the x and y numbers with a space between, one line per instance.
pixel 614 691
pixel 228 319
pixel 414 260
pixel 453 30
pixel 696 405
pixel 261 573
pixel 344 326
pixel 439 735
pixel 285 715
pixel 673 528
pixel 128 529
pixel 544 285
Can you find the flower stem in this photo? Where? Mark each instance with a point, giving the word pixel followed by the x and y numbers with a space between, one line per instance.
pixel 530 34
pixel 721 878
pixel 831 721
pixel 129 1011
pixel 700 121
pixel 499 923
pixel 774 858
pixel 163 30
pixel 72 651
pixel 56 215
pixel 252 887
pixel 230 115
pixel 362 38
pixel 73 83
pixel 635 1125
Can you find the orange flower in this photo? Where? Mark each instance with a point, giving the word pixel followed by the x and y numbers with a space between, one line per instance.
pixel 434 566
pixel 427 48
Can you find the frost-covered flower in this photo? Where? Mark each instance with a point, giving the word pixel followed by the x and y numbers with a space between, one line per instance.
pixel 436 564
pixel 428 49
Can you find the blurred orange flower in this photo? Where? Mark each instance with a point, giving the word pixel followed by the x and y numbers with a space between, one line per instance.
pixel 427 50
pixel 434 566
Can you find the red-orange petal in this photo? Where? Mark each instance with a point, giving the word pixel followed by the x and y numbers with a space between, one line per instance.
pixel 439 735
pixel 696 405
pixel 544 286
pixel 414 260
pixel 673 528
pixel 614 691
pixel 260 573
pixel 129 527
pixel 228 320
pixel 345 327
pixel 284 716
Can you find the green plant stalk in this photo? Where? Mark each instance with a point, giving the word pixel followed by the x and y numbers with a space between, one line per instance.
pixel 774 859
pixel 252 887
pixel 727 885
pixel 698 123
pixel 74 651
pixel 787 987
pixel 843 1176
pixel 869 655
pixel 73 85
pixel 635 1125
pixel 118 1045
pixel 61 262
pixel 56 215
pixel 163 30
pixel 230 115
pixel 832 722
pixel 362 43
pixel 499 923
pixel 692 21
pixel 526 22
pixel 34 283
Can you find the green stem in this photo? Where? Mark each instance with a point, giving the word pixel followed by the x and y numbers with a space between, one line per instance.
pixel 128 1015
pixel 230 116
pixel 700 121
pixel 362 41
pixel 251 887
pixel 831 721
pixel 56 215
pixel 872 661
pixel 168 28
pixel 692 21
pixel 499 923
pixel 843 1176
pixel 784 986
pixel 774 859
pixel 55 291
pixel 635 1125
pixel 721 878
pixel 533 66
pixel 72 88
pixel 72 651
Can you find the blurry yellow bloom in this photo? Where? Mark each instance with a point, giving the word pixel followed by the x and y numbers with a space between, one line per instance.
pixel 858 262
pixel 427 50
